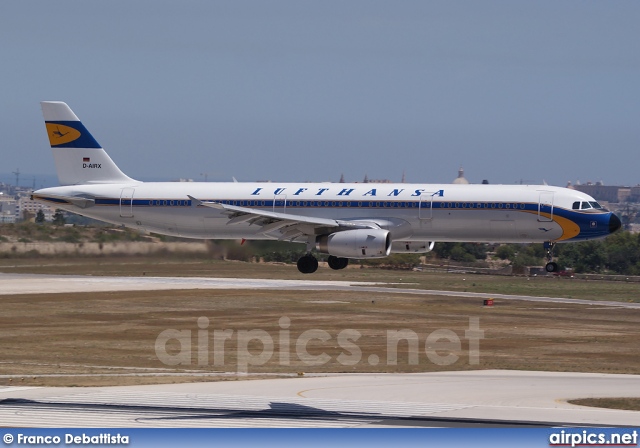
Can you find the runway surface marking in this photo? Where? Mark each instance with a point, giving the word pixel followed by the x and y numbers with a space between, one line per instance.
pixel 10 389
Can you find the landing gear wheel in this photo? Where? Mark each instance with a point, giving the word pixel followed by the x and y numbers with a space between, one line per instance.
pixel 551 266
pixel 337 263
pixel 307 264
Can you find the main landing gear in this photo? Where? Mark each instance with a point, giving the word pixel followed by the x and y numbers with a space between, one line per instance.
pixel 551 265
pixel 337 262
pixel 308 264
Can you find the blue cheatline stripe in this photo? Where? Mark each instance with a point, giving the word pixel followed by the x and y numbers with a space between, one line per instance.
pixel 85 140
pixel 444 205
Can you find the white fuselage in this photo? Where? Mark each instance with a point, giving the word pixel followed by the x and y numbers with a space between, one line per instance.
pixel 411 212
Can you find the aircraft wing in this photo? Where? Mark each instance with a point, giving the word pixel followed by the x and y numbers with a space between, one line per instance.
pixel 291 226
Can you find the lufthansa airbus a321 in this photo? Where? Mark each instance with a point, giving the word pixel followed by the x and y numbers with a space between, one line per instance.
pixel 345 221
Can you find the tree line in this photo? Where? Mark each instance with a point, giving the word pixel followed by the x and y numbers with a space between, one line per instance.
pixel 617 254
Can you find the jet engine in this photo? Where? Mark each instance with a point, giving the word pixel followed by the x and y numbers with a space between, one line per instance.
pixel 360 243
pixel 412 247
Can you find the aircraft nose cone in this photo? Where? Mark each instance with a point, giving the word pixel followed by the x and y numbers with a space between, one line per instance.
pixel 614 223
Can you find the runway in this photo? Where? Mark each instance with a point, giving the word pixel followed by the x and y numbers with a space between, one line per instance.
pixel 43 284
pixel 446 399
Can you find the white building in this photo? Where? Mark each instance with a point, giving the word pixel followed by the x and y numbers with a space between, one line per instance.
pixel 28 206
pixel 8 209
pixel 7 217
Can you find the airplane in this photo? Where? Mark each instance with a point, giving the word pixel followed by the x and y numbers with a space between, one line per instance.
pixel 344 220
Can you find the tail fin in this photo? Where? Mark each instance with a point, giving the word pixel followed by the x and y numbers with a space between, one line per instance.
pixel 78 156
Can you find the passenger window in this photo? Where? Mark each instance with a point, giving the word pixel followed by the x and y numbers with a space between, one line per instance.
pixel 576 205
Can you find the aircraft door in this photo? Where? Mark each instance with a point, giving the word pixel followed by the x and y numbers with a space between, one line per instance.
pixel 126 202
pixel 425 210
pixel 280 203
pixel 545 206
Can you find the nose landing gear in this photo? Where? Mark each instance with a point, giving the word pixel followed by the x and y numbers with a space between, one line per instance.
pixel 551 266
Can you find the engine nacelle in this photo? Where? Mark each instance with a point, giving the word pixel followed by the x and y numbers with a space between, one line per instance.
pixel 361 243
pixel 412 247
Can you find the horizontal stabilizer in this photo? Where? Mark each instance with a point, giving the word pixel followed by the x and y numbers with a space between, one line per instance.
pixel 78 201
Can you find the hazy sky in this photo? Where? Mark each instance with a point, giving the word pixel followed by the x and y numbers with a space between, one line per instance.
pixel 307 90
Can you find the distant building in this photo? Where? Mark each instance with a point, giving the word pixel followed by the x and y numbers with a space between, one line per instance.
pixel 623 194
pixel 460 179
pixel 8 209
pixel 605 193
pixel 366 180
pixel 28 208
pixel 7 217
pixel 380 181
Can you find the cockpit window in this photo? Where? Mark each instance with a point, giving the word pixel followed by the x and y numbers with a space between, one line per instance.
pixel 585 206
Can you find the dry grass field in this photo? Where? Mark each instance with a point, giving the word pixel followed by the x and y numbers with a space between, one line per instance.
pixel 627 404
pixel 110 338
